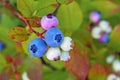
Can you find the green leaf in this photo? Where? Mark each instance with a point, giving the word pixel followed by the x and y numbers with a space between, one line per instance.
pixel 3 37
pixel 70 17
pixel 83 36
pixel 26 7
pixel 2 62
pixel 114 43
pixel 18 34
pixel 107 8
pixel 12 21
pixel 97 72
pixel 64 1
pixel 4 10
pixel 45 7
pixel 53 75
pixel 30 8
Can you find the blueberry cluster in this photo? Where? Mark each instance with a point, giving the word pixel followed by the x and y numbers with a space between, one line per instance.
pixel 54 44
pixel 100 28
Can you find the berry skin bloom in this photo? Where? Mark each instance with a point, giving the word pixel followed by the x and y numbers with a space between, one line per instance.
pixel 112 77
pixel 105 26
pixel 116 65
pixel 49 21
pixel 65 56
pixel 104 38
pixel 95 16
pixel 37 47
pixel 54 37
pixel 110 59
pixel 53 54
pixel 66 44
pixel 96 32
pixel 24 76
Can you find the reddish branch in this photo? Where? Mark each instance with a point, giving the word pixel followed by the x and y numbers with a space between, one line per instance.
pixel 7 5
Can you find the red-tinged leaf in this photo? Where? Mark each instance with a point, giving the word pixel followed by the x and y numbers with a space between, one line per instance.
pixel 17 75
pixel 97 72
pixel 79 63
pixel 9 58
pixel 18 47
pixel 18 60
pixel 18 34
pixel 35 70
pixel 35 22
pixel 6 73
pixel 4 76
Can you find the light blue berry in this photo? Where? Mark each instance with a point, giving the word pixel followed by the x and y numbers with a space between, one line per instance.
pixel 54 37
pixel 37 47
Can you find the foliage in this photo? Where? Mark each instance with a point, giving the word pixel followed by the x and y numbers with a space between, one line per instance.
pixel 88 55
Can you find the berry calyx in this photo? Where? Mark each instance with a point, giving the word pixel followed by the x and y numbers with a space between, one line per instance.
pixel 66 44
pixel 65 56
pixel 37 47
pixel 49 21
pixel 54 37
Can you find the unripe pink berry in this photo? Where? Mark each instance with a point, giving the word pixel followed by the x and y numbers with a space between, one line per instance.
pixel 49 21
pixel 95 16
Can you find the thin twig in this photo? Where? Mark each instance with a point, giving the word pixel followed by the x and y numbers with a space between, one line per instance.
pixel 48 64
pixel 55 12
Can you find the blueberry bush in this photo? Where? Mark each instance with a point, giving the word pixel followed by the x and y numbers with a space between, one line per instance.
pixel 59 40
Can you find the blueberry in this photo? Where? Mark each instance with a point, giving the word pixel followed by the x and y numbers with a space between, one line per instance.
pixel 2 46
pixel 104 38
pixel 49 21
pixel 37 47
pixel 54 37
pixel 95 16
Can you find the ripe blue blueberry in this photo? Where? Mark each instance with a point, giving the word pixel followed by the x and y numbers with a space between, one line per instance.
pixel 2 46
pixel 37 47
pixel 104 38
pixel 54 37
pixel 49 21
